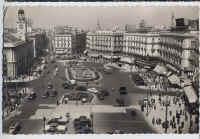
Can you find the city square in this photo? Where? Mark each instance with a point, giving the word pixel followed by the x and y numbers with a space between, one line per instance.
pixel 70 81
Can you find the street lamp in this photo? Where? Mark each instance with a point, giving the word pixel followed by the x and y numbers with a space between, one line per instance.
pixel 166 114
pixel 91 116
pixel 44 121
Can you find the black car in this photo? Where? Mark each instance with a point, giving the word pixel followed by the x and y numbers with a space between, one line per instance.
pixel 122 90
pixel 50 85
pixel 53 93
pixel 66 86
pixel 81 88
pixel 14 127
pixel 82 121
pixel 85 130
pixel 105 92
pixel 100 96
pixel 76 122
pixel 32 96
pixel 45 95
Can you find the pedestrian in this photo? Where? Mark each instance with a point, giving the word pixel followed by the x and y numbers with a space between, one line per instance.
pixel 173 118
pixel 159 121
pixel 175 131
pixel 171 123
pixel 182 124
pixel 191 123
pixel 170 113
pixel 181 112
pixel 153 120
pixel 178 120
pixel 156 121
pixel 57 102
pixel 186 117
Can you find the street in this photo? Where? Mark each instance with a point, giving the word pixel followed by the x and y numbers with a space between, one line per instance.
pixel 116 79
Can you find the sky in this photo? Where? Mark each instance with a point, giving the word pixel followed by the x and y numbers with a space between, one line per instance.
pixel 109 17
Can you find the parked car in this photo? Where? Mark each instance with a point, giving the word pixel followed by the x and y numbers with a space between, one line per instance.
pixel 118 132
pixel 122 90
pixel 50 85
pixel 85 130
pixel 63 120
pixel 32 96
pixel 45 95
pixel 50 129
pixel 81 88
pixel 53 93
pixel 81 122
pixel 84 100
pixel 52 121
pixel 100 96
pixel 93 90
pixel 76 122
pixel 105 92
pixel 61 129
pixel 14 127
pixel 66 86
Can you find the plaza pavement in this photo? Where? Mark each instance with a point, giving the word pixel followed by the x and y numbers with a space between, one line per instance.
pixel 160 112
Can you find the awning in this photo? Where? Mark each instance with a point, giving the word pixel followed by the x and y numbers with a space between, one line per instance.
pixel 93 55
pixel 160 70
pixel 174 79
pixel 126 59
pixel 114 57
pixel 190 93
pixel 189 69
pixel 107 56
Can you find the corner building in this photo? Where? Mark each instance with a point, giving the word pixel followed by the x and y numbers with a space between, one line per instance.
pixel 177 51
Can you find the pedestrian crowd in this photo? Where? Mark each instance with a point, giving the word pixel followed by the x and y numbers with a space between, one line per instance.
pixel 169 113
pixel 158 82
pixel 13 100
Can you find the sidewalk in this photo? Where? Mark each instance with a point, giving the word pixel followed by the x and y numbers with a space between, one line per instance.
pixel 7 113
pixel 27 79
pixel 156 116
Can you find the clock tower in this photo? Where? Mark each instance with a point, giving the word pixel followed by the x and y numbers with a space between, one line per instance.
pixel 21 25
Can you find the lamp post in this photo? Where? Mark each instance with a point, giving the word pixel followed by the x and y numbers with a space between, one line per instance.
pixel 148 100
pixel 91 116
pixel 44 122
pixel 166 114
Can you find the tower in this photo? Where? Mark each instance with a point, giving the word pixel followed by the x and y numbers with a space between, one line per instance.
pixel 21 25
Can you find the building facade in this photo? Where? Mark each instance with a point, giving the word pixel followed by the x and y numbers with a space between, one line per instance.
pixel 141 45
pixel 18 58
pixel 105 44
pixel 69 43
pixel 63 44
pixel 179 51
pixel 39 40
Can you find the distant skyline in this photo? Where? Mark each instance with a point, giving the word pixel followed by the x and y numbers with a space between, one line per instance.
pixel 109 17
